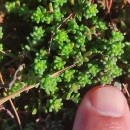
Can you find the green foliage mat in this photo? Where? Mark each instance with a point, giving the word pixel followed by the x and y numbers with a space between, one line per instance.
pixel 79 41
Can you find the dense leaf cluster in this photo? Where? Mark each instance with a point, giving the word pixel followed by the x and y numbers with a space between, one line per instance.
pixel 64 33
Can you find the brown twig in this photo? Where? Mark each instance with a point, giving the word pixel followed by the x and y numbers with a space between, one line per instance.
pixel 108 5
pixel 5 99
pixel 15 75
pixel 1 78
pixel 53 33
pixel 15 58
pixel 9 112
pixel 125 87
pixel 64 21
pixel 16 114
pixel 12 104
pixel 50 42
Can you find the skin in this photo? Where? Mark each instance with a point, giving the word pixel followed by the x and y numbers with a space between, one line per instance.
pixel 103 108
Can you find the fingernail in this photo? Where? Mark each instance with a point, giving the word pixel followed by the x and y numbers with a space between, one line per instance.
pixel 108 101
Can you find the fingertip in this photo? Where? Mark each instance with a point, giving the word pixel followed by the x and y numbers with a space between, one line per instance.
pixel 100 105
pixel 107 101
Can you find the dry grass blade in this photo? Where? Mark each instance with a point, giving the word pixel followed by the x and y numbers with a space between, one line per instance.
pixel 12 104
pixel 5 99
pixel 61 71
